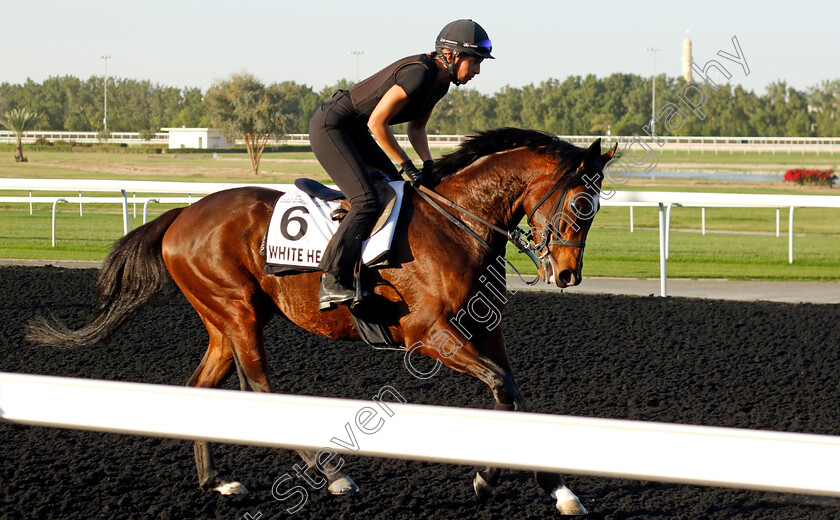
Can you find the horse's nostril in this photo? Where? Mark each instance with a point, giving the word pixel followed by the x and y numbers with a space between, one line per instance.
pixel 567 276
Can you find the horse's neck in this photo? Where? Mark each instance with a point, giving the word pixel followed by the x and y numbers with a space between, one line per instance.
pixel 492 187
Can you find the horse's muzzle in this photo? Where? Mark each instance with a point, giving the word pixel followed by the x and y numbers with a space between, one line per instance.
pixel 554 275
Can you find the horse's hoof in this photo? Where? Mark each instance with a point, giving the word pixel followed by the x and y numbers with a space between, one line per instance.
pixel 343 486
pixel 568 503
pixel 483 490
pixel 231 488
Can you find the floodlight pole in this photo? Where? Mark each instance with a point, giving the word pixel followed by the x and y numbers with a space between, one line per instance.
pixel 357 54
pixel 654 50
pixel 105 57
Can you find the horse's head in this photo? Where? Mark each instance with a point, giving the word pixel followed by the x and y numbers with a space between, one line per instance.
pixel 560 206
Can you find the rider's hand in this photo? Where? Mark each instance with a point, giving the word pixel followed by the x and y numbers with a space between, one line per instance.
pixel 408 168
pixel 428 168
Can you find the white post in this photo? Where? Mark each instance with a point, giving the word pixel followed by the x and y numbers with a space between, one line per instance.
pixel 668 231
pixel 80 205
pixel 703 219
pixel 125 212
pixel 55 203
pixel 146 207
pixel 30 202
pixel 790 237
pixel 663 258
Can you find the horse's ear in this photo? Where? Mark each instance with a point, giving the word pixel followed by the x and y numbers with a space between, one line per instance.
pixel 592 154
pixel 609 155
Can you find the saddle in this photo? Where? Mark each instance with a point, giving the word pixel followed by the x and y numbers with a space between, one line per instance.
pixel 387 199
pixel 365 318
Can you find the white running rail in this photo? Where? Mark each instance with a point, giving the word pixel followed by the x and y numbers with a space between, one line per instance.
pixel 702 455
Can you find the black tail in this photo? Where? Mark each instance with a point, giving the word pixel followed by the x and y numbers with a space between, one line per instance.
pixel 131 275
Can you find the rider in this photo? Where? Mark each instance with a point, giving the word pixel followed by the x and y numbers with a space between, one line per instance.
pixel 351 137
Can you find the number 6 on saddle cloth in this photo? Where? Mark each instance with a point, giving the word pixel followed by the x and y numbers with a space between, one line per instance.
pixel 304 220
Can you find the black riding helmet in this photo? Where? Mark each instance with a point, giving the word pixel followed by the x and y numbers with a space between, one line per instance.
pixel 463 36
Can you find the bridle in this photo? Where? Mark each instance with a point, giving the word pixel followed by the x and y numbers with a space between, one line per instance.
pixel 524 241
pixel 550 230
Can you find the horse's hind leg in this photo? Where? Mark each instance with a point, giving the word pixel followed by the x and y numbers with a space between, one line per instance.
pixel 215 368
pixel 248 352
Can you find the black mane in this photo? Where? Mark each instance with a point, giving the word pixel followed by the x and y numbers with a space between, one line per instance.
pixel 500 139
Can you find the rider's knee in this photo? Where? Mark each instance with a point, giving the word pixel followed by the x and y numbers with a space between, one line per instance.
pixel 367 202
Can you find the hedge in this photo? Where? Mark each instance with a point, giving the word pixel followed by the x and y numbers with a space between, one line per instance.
pixel 83 148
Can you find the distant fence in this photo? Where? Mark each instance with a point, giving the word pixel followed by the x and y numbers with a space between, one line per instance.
pixel 149 193
pixel 130 138
pixel 667 200
pixel 662 200
pixel 702 144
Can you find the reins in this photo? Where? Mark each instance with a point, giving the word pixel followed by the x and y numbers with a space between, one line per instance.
pixel 515 237
pixel 519 238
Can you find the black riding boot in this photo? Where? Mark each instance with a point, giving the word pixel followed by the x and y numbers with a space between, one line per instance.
pixel 333 293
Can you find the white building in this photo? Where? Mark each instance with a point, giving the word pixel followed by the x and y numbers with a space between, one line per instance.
pixel 197 138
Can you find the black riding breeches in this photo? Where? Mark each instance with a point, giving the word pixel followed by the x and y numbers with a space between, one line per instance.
pixel 344 147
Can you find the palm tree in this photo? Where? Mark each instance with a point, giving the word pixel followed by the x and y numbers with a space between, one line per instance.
pixel 19 120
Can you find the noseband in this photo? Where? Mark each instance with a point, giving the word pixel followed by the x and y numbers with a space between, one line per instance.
pixel 541 247
pixel 550 230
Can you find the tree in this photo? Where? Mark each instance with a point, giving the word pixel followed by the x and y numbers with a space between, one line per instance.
pixel 299 103
pixel 327 92
pixel 599 124
pixel 19 120
pixel 824 100
pixel 193 111
pixel 243 106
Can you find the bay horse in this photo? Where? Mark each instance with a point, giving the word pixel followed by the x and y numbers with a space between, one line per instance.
pixel 212 251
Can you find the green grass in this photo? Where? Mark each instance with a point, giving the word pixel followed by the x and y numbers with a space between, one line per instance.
pixel 87 237
pixel 611 251
pixel 275 167
pixel 740 243
pixel 792 159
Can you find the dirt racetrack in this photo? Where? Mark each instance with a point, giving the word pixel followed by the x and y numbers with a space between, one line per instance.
pixel 747 365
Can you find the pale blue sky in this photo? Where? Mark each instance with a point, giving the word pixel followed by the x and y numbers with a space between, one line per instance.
pixel 192 43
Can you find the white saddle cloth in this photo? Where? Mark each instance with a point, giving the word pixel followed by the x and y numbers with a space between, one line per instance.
pixel 301 227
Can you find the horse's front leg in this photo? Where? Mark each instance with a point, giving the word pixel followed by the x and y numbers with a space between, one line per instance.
pixel 507 397
pixel 338 482
pixel 484 357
